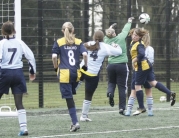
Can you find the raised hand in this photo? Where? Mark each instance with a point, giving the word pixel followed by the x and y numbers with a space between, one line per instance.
pixel 130 19
pixel 113 26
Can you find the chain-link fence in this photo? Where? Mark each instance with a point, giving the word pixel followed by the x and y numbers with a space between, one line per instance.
pixel 41 25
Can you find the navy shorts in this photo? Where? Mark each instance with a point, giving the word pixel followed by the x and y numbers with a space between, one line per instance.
pixel 142 78
pixel 68 89
pixel 13 79
pixel 91 83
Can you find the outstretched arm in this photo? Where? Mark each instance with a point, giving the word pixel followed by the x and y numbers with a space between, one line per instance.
pixel 126 28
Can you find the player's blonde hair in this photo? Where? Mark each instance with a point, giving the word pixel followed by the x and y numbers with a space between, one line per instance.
pixel 97 37
pixel 143 33
pixel 68 30
pixel 8 29
pixel 146 39
pixel 110 32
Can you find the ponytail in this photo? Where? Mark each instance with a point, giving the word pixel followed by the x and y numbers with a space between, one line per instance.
pixel 92 45
pixel 68 30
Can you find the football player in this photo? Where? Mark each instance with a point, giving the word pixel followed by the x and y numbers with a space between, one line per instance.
pixel 97 51
pixel 68 49
pixel 11 73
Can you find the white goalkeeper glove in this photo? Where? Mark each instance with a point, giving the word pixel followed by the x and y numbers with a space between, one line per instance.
pixel 130 19
pixel 113 26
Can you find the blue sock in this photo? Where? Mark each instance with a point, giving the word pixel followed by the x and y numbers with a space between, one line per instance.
pixel 72 112
pixel 162 88
pixel 149 102
pixel 140 98
pixel 130 104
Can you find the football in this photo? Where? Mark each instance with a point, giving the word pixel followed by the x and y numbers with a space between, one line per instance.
pixel 163 99
pixel 144 18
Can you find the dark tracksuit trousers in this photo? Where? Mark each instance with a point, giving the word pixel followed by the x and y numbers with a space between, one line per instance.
pixel 118 75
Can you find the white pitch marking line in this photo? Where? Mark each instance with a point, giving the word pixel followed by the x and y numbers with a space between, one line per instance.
pixel 107 132
pixel 100 112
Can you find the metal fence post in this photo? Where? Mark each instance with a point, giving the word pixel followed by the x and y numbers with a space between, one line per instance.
pixel 167 39
pixel 40 53
pixel 128 52
pixel 86 20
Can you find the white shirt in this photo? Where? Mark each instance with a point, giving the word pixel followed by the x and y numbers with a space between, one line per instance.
pixel 149 54
pixel 11 52
pixel 95 58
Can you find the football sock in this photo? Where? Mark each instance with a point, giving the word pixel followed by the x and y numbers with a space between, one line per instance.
pixel 162 88
pixel 140 98
pixel 130 103
pixel 149 101
pixel 85 108
pixel 79 84
pixel 72 112
pixel 22 119
pixel 1 95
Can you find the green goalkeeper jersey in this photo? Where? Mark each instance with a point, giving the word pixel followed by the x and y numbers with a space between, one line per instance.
pixel 120 40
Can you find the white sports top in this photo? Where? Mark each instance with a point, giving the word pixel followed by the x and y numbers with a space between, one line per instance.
pixel 11 52
pixel 95 58
pixel 149 53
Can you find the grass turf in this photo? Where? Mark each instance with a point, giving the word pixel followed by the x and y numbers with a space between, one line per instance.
pixel 106 123
pixel 52 96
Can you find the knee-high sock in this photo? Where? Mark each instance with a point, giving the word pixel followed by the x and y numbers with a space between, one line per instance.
pixel 85 108
pixel 162 88
pixel 140 98
pixel 72 112
pixel 130 103
pixel 149 101
pixel 22 119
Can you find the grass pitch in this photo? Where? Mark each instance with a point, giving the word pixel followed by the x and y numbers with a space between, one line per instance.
pixel 106 123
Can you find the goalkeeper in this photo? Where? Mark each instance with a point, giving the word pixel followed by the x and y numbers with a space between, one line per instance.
pixel 117 68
